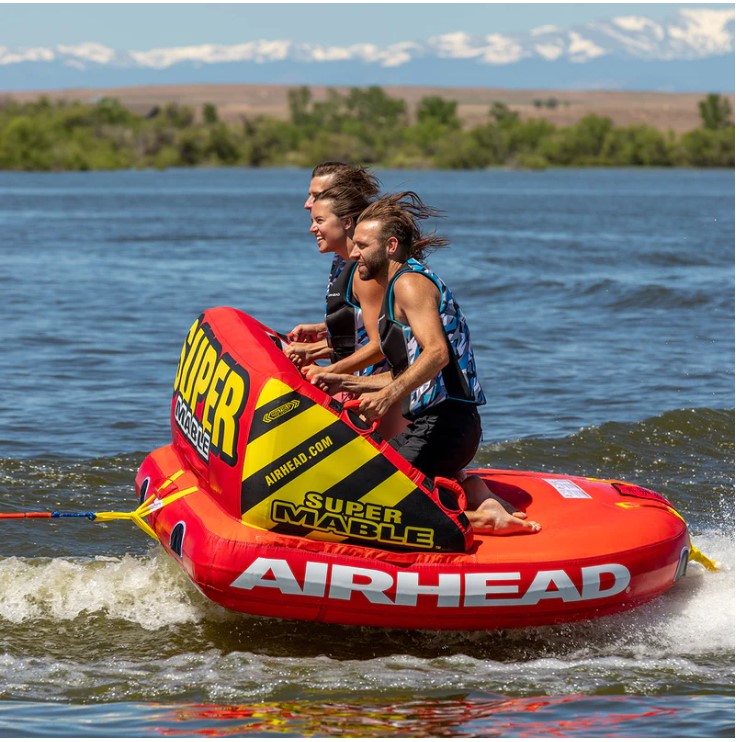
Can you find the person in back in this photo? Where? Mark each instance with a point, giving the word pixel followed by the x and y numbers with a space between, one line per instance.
pixel 324 176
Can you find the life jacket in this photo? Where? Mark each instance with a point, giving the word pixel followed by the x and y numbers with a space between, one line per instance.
pixel 337 265
pixel 344 320
pixel 458 379
pixel 343 315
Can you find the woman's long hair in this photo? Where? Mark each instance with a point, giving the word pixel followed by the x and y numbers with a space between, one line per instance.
pixel 345 201
pixel 349 176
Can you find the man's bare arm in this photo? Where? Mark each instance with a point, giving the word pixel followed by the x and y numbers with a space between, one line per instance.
pixel 333 382
pixel 417 303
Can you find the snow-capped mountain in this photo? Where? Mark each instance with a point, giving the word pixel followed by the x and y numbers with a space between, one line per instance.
pixel 692 50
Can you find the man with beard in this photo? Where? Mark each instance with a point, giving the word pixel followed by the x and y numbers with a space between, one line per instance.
pixel 425 337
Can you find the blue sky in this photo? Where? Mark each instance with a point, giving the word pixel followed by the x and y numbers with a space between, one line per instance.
pixel 142 26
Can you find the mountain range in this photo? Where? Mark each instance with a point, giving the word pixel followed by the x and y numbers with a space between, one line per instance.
pixel 692 50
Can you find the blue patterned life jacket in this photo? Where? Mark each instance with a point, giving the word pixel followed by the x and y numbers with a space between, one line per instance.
pixel 458 379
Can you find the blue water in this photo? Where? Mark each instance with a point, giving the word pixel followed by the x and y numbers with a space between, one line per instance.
pixel 601 304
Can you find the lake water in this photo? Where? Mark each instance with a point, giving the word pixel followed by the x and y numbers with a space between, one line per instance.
pixel 601 304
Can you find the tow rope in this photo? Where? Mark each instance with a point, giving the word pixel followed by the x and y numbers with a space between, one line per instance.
pixel 149 505
pixel 137 516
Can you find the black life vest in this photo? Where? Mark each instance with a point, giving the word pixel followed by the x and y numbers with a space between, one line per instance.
pixel 341 314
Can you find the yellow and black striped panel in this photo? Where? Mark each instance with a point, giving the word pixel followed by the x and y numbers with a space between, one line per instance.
pixel 308 473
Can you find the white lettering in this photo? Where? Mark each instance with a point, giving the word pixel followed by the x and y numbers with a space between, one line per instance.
pixel 256 576
pixel 447 590
pixel 343 584
pixel 478 586
pixel 472 589
pixel 539 588
pixel 315 579
pixel 191 427
pixel 591 580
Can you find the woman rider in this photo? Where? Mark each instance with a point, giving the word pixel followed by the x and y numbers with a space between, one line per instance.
pixel 352 306
pixel 324 176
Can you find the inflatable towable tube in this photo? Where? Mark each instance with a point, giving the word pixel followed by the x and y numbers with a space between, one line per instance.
pixel 276 501
pixel 281 455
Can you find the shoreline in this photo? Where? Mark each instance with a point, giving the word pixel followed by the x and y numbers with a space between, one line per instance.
pixel 662 110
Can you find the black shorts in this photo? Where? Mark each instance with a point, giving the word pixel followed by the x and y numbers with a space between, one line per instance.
pixel 442 441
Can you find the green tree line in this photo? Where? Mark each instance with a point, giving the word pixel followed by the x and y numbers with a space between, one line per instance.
pixel 364 125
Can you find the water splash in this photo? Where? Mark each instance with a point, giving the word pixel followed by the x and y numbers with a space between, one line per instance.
pixel 149 591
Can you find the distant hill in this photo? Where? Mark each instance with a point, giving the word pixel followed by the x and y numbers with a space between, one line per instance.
pixel 691 51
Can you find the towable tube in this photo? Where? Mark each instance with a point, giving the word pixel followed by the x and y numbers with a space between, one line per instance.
pixel 276 501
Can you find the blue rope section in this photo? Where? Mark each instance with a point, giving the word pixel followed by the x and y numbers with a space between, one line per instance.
pixel 89 515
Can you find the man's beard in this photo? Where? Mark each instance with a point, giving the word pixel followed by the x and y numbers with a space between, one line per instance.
pixel 372 270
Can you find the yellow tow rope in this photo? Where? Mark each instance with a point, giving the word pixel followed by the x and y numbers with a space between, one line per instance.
pixel 151 504
pixel 696 555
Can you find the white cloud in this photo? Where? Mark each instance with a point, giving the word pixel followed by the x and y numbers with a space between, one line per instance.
pixel 493 49
pixel 691 33
pixel 633 22
pixel 89 51
pixel 398 54
pixel 706 31
pixel 541 30
pixel 391 56
pixel 455 46
pixel 641 39
pixel 254 51
pixel 25 55
pixel 502 50
pixel 582 49
pixel 331 54
pixel 550 52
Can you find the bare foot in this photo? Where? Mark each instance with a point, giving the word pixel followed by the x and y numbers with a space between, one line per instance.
pixel 493 517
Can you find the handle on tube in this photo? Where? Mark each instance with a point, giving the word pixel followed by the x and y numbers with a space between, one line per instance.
pixel 353 404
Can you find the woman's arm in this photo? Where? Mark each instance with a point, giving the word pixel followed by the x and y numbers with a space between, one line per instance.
pixel 365 356
pixel 308 333
pixel 369 296
pixel 302 354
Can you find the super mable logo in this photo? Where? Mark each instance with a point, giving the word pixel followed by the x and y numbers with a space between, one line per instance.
pixel 210 391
